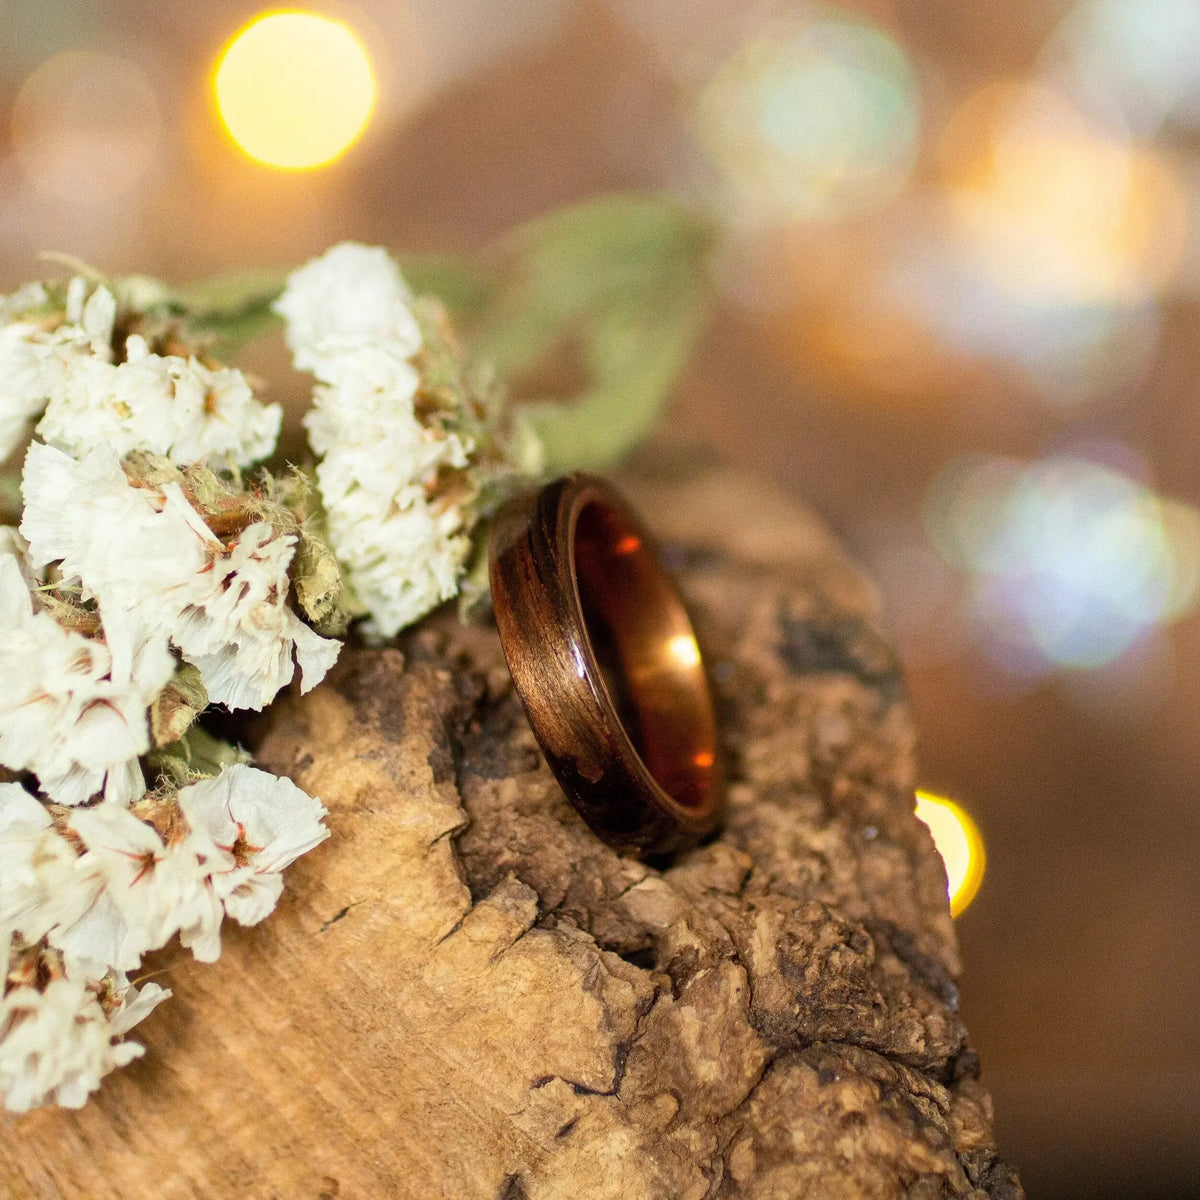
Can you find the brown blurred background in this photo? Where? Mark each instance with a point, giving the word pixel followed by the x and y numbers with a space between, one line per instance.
pixel 958 316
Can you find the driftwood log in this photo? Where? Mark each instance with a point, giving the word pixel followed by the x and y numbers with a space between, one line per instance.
pixel 464 994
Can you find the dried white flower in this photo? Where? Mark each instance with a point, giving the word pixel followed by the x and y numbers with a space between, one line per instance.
pixel 106 930
pixel 64 363
pixel 56 1043
pixel 243 634
pixel 13 545
pixel 98 934
pixel 91 315
pixel 263 823
pixel 156 890
pixel 140 553
pixel 351 296
pixel 137 1003
pixel 372 396
pixel 39 882
pixel 60 1021
pixel 23 396
pixel 404 563
pixel 403 554
pixel 163 404
pixel 38 348
pixel 148 557
pixel 71 709
pixel 84 515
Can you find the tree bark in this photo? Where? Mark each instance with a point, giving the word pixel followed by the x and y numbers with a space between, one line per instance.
pixel 465 994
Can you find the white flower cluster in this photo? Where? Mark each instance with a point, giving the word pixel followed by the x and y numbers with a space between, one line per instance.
pixel 73 708
pixel 135 563
pixel 147 579
pixel 155 568
pixel 57 1042
pixel 350 322
pixel 97 888
pixel 63 364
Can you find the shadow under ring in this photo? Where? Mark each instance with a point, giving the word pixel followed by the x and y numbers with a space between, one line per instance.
pixel 605 660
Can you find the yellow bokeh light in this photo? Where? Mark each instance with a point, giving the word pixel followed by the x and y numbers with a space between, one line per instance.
pixel 1055 208
pixel 295 90
pixel 960 844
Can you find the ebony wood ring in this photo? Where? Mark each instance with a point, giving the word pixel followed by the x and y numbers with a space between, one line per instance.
pixel 605 660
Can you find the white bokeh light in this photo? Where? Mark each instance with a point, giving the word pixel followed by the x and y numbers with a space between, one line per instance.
pixel 1068 562
pixel 818 119
pixel 86 128
pixel 1133 61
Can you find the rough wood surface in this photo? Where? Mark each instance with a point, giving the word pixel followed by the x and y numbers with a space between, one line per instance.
pixel 464 994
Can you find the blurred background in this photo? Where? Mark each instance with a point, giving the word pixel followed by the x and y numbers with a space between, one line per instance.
pixel 958 315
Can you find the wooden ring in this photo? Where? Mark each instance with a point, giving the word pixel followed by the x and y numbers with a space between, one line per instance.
pixel 605 660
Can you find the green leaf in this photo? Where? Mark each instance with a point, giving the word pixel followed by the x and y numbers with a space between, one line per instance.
pixel 626 279
pixel 208 755
pixel 462 286
pixel 232 309
pixel 195 755
pixel 231 293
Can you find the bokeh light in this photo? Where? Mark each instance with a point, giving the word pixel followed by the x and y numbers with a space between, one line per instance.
pixel 1068 562
pixel 1066 355
pixel 960 844
pixel 86 128
pixel 1054 208
pixel 1050 246
pixel 818 119
pixel 1131 60
pixel 295 90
